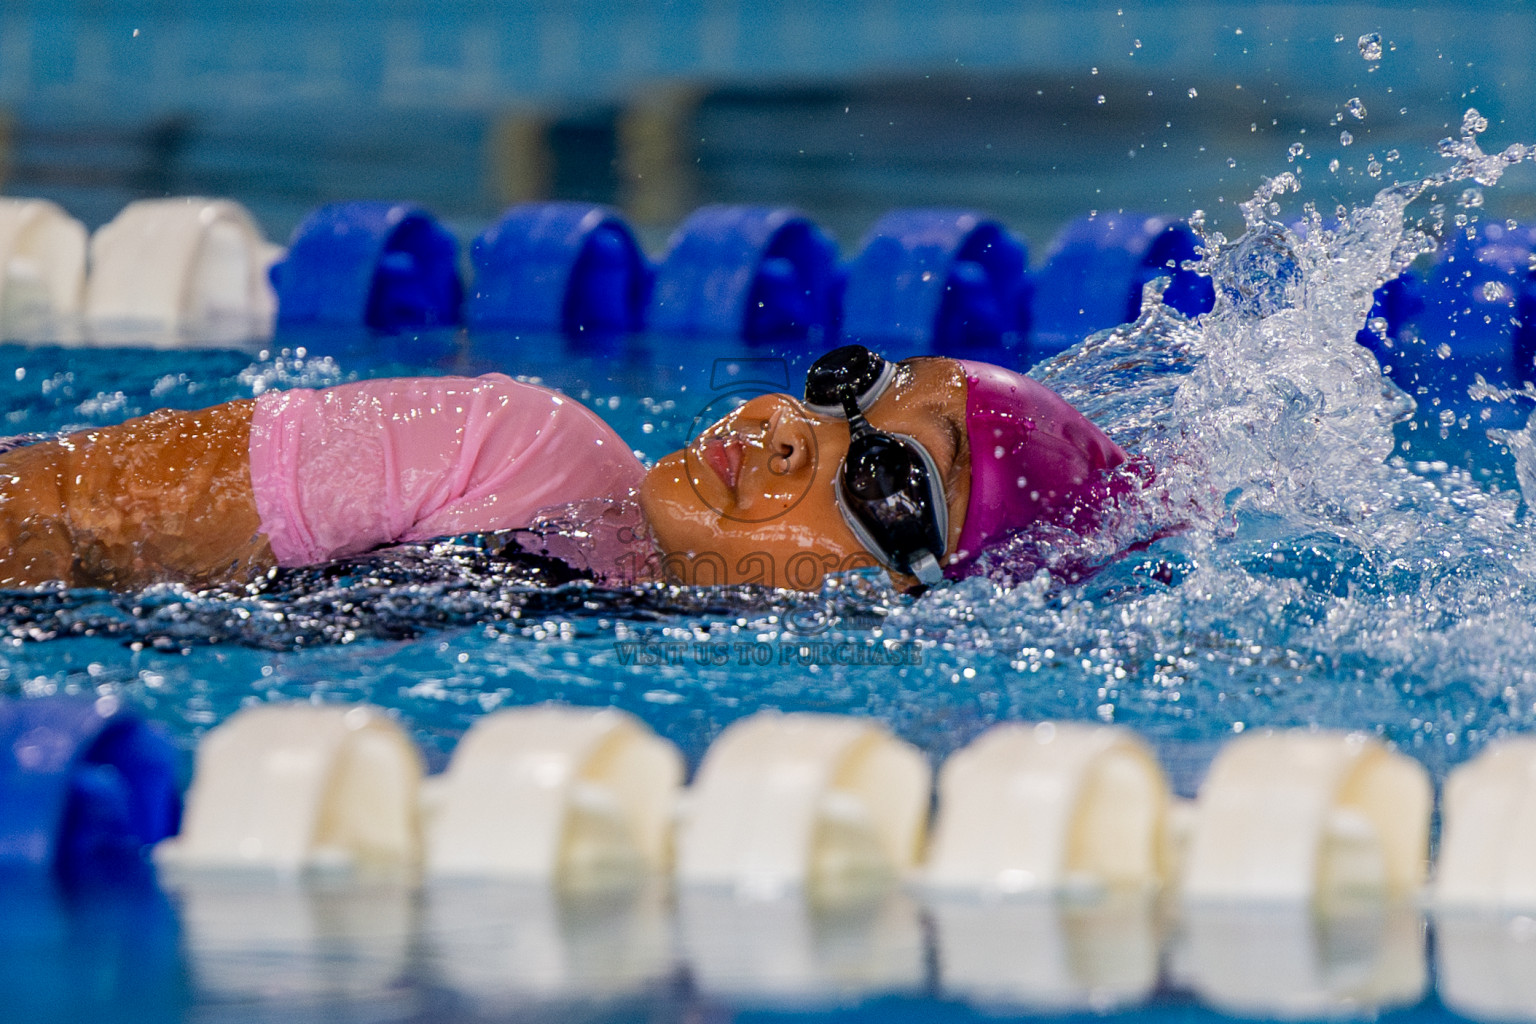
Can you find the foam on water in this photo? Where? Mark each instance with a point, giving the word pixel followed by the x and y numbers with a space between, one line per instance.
pixel 1273 563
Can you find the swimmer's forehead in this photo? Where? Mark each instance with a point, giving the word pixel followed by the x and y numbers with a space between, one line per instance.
pixel 922 385
pixel 935 378
pixel 927 400
pixel 919 382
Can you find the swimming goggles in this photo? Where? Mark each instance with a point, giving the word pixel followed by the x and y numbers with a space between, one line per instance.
pixel 889 490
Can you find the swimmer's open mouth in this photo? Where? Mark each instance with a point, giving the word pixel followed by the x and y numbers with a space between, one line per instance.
pixel 723 456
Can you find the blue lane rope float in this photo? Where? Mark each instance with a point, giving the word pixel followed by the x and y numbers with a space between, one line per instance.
pixel 387 266
pixel 1471 321
pixel 1396 304
pixel 1096 269
pixel 754 272
pixel 931 280
pixel 1525 327
pixel 938 280
pixel 85 787
pixel 569 267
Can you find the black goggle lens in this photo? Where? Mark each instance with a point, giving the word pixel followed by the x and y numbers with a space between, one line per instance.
pixel 879 466
pixel 850 370
pixel 886 485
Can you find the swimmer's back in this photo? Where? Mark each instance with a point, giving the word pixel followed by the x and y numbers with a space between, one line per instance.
pixel 338 471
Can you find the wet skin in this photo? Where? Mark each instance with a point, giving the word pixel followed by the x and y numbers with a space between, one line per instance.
pixel 161 498
pixel 167 497
pixel 752 500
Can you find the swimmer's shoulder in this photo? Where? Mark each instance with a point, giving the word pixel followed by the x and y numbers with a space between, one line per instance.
pixel 421 391
pixel 404 400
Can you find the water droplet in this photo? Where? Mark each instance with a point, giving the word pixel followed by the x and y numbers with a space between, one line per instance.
pixel 1356 108
pixel 1495 291
pixel 1193 93
pixel 1370 46
pixel 1377 326
pixel 1296 150
pixel 1393 156
pixel 1093 71
pixel 1373 168
pixel 1138 44
pixel 1101 99
pixel 1472 198
pixel 1339 38
pixel 1333 165
pixel 1345 138
pixel 1231 161
pixel 1473 123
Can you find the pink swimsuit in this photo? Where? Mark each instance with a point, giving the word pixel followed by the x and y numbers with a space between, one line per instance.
pixel 339 471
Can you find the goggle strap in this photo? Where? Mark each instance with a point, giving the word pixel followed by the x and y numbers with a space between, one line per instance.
pixel 857 424
pixel 863 401
pixel 926 568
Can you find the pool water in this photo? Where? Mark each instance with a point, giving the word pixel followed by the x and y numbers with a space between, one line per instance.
pixel 1291 557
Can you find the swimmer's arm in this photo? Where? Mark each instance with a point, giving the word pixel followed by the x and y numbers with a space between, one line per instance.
pixel 161 498
pixel 35 541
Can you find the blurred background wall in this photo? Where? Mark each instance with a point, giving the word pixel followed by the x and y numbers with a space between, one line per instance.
pixel 1033 112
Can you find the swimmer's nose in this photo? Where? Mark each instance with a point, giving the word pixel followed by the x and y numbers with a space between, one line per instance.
pixel 788 436
pixel 791 444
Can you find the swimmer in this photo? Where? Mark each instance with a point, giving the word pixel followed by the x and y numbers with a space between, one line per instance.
pixel 917 466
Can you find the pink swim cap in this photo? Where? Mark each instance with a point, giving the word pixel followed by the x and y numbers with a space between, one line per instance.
pixel 1033 458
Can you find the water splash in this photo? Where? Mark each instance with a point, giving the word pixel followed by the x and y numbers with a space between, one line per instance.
pixel 1314 578
pixel 1522 449
pixel 294 368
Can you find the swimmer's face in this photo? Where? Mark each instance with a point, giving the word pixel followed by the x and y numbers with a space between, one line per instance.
pixel 752 500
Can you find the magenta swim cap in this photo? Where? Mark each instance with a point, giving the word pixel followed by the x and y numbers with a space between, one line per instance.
pixel 1033 458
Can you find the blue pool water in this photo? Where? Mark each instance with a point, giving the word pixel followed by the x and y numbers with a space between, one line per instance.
pixel 1307 573
pixel 1301 556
